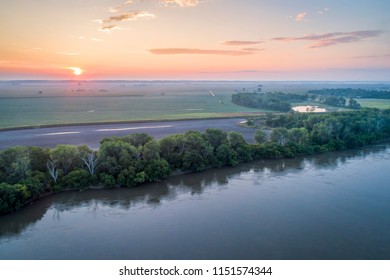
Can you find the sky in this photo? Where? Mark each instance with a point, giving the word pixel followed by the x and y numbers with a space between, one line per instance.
pixel 334 40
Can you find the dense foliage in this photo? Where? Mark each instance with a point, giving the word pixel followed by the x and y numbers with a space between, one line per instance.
pixel 352 93
pixel 279 101
pixel 27 173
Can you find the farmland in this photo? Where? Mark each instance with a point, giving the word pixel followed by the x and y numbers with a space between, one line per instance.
pixel 31 104
pixel 36 103
pixel 375 103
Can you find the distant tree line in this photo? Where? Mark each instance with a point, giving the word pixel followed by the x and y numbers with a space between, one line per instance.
pixel 28 173
pixel 278 101
pixel 352 93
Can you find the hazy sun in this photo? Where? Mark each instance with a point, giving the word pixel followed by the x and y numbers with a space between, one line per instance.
pixel 76 70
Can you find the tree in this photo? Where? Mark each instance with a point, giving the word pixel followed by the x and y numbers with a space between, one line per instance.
pixel 91 162
pixel 77 179
pixel 353 104
pixel 156 170
pixel 335 126
pixel 298 136
pixel 65 157
pixel 53 170
pixel 260 136
pixel 38 158
pixel 12 197
pixel 14 164
pixel 279 135
pixel 198 151
pixel 172 149
pixel 117 155
pixel 236 139
pixel 226 156
pixel 151 151
pixel 137 139
pixel 321 134
pixel 216 137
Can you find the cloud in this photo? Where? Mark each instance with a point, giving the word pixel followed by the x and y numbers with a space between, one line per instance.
pixel 240 43
pixel 300 16
pixel 252 49
pixel 130 16
pixel 176 51
pixel 119 7
pixel 335 38
pixel 109 28
pixel 107 25
pixel 181 3
pixel 323 11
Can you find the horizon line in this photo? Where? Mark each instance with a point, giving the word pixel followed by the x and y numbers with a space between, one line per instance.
pixel 187 80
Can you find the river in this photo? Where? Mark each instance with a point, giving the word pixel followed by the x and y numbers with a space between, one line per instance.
pixel 328 206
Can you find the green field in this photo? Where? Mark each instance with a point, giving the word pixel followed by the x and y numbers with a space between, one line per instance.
pixel 375 103
pixel 35 104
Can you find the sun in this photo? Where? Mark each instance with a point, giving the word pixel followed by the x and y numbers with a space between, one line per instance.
pixel 76 70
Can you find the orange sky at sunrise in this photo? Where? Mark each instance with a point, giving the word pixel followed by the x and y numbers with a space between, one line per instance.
pixel 195 39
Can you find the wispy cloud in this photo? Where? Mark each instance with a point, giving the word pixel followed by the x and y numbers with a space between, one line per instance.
pixel 109 24
pixel 188 51
pixel 130 16
pixel 323 11
pixel 300 16
pixel 240 43
pixel 335 38
pixel 181 3
pixel 252 49
pixel 119 7
pixel 109 28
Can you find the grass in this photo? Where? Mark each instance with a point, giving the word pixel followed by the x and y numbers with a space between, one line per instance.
pixel 65 102
pixel 25 106
pixel 375 103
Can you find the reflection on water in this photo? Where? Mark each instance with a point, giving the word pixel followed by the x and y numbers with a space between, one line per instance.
pixel 320 207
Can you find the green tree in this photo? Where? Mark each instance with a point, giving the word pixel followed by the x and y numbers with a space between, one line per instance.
pixel 321 134
pixel 156 170
pixel 12 197
pixel 38 158
pixel 353 104
pixel 117 155
pixel 137 139
pixel 279 135
pixel 216 137
pixel 299 136
pixel 236 139
pixel 77 179
pixel 65 157
pixel 151 151
pixel 197 153
pixel 14 164
pixel 172 150
pixel 260 136
pixel 226 156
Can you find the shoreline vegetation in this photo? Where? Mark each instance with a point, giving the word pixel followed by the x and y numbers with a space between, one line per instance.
pixel 29 173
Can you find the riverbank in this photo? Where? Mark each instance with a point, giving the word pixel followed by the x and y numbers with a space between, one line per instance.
pixel 256 210
pixel 129 161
